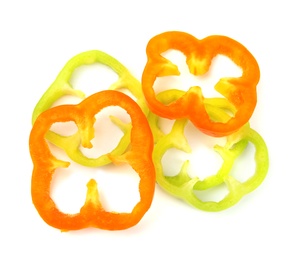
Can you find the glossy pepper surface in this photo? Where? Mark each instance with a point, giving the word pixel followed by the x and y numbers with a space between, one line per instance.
pixel 240 91
pixel 139 156
pixel 186 188
pixel 62 87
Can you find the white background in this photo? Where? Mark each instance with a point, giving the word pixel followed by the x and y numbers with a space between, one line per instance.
pixel 38 38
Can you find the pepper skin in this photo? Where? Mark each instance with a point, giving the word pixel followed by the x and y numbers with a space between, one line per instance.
pixel 240 92
pixel 139 156
pixel 62 87
pixel 184 187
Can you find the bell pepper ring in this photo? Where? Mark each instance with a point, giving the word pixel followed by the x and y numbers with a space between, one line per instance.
pixel 184 187
pixel 62 87
pixel 240 91
pixel 139 156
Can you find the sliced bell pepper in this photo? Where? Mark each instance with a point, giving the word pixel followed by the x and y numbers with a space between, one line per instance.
pixel 184 187
pixel 61 87
pixel 240 92
pixel 139 156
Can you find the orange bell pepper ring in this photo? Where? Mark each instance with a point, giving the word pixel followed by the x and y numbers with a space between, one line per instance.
pixel 139 156
pixel 240 91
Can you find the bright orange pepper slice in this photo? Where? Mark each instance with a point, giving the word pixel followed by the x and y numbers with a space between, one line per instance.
pixel 240 92
pixel 139 156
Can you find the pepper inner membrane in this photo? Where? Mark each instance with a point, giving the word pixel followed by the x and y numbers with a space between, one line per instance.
pixel 221 67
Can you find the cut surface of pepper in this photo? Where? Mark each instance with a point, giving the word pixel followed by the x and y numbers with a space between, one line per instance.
pixel 240 91
pixel 139 156
pixel 62 87
pixel 184 187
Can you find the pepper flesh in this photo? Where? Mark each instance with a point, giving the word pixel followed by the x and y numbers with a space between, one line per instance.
pixel 240 92
pixel 62 86
pixel 92 214
pixel 184 187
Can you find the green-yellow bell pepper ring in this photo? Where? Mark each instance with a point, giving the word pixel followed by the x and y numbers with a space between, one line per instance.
pixel 184 187
pixel 61 86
